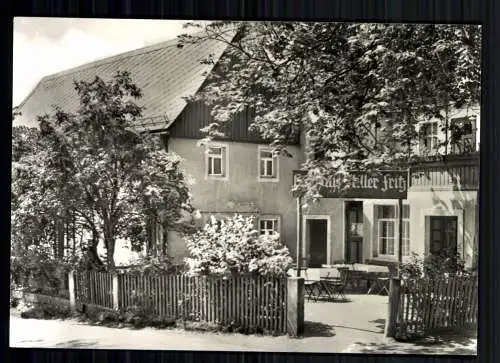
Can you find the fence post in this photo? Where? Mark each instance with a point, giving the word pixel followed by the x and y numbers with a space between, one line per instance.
pixel 393 307
pixel 295 306
pixel 72 290
pixel 115 291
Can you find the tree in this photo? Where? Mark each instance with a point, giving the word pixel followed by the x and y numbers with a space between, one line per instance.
pixel 357 91
pixel 233 246
pixel 94 168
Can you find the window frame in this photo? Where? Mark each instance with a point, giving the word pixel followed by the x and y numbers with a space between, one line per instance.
pixel 423 138
pixel 467 141
pixel 269 218
pixel 395 220
pixel 275 165
pixel 224 164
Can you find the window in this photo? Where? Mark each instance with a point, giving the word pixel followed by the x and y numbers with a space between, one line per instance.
pixel 429 137
pixel 387 229
pixel 268 226
pixel 387 234
pixel 443 235
pixel 268 164
pixel 216 161
pixel 462 135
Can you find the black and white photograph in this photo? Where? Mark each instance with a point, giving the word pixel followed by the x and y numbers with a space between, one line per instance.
pixel 256 186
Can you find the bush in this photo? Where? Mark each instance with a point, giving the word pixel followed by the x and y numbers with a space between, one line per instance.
pixel 433 266
pixel 38 273
pixel 152 265
pixel 233 246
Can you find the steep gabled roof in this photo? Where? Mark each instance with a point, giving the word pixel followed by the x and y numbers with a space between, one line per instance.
pixel 164 73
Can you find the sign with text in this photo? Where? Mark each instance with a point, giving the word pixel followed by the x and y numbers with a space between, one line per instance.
pixel 386 184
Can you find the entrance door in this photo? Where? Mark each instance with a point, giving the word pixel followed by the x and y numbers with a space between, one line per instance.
pixel 354 232
pixel 316 232
pixel 443 235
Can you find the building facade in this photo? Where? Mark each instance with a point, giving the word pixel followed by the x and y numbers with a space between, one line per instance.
pixel 239 174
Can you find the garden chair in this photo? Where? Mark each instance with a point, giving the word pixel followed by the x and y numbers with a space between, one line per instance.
pixel 337 287
pixel 311 286
pixel 382 283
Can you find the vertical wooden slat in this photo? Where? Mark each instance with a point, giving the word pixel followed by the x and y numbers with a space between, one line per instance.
pixel 451 298
pixel 461 294
pixel 468 301
pixel 188 290
pixel 122 289
pixel 238 302
pixel 170 310
pixel 255 303
pixel 175 300
pixel 233 298
pixel 103 288
pixel 245 302
pixel 266 304
pixel 454 307
pixel 273 304
pixel 279 305
pixel 168 299
pixel 161 295
pixel 258 302
pixel 433 304
pixel 211 301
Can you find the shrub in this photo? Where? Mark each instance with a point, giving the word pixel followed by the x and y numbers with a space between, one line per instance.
pixel 433 265
pixel 39 273
pixel 233 246
pixel 152 265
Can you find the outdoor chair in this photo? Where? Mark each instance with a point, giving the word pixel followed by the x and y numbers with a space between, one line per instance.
pixel 311 286
pixel 337 287
pixel 382 283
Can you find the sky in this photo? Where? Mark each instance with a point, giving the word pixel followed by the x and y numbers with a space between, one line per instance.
pixel 43 46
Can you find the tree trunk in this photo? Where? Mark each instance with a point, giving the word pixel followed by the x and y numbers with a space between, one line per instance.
pixel 93 260
pixel 109 242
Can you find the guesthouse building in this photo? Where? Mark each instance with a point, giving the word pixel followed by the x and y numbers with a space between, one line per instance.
pixel 239 173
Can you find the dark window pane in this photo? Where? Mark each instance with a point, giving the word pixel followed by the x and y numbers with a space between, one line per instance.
pixel 217 166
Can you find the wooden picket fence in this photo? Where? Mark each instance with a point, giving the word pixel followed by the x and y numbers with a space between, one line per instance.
pixel 96 288
pixel 240 301
pixel 426 305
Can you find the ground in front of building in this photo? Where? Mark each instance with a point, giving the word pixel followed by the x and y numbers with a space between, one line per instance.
pixel 355 326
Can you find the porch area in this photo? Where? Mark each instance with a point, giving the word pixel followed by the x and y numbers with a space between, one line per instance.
pixel 326 282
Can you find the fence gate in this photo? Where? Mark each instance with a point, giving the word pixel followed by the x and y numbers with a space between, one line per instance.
pixel 429 304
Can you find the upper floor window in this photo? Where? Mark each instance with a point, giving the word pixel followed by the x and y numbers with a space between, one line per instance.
pixel 462 135
pixel 429 137
pixel 268 165
pixel 216 161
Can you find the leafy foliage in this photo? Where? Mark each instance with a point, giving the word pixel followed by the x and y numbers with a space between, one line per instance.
pixel 432 265
pixel 94 168
pixel 357 91
pixel 153 265
pixel 233 246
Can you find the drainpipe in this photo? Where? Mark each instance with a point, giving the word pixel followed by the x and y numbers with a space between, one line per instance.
pixel 299 235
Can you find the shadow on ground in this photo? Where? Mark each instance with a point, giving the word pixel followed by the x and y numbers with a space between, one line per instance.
pixel 454 343
pixel 379 324
pixel 328 301
pixel 77 344
pixel 317 329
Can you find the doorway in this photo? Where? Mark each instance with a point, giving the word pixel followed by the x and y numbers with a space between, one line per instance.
pixel 317 237
pixel 354 231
